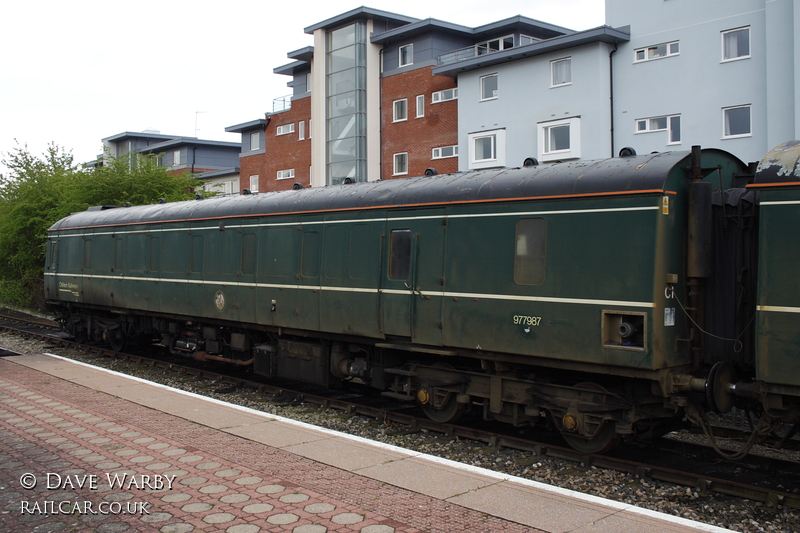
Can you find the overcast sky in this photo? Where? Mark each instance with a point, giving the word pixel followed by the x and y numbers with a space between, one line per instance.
pixel 74 72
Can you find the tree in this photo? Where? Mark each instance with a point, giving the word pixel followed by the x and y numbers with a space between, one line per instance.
pixel 133 178
pixel 40 190
pixel 32 197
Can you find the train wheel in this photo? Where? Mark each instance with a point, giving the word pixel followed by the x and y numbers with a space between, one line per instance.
pixel 603 441
pixel 449 413
pixel 450 410
pixel 117 343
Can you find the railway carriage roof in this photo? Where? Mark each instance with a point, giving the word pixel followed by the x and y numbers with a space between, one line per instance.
pixel 645 174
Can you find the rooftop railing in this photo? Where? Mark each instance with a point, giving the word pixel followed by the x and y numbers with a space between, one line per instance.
pixel 284 103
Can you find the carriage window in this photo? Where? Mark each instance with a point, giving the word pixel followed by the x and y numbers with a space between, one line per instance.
pixel 309 261
pixel 197 254
pixel 249 253
pixel 53 253
pixel 136 259
pixel 87 254
pixel 530 253
pixel 155 254
pixel 400 254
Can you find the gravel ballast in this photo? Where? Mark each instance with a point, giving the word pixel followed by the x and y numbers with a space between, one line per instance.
pixel 709 508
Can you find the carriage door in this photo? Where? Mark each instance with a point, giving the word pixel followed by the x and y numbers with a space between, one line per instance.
pixel 412 281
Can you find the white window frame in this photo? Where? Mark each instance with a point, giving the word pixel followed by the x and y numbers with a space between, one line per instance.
pixel 400 110
pixel 445 95
pixel 750 119
pixel 255 140
pixel 176 158
pixel 285 174
pixel 553 63
pixel 284 129
pixel 649 125
pixel 420 106
pixel 254 183
pixel 402 158
pixel 301 130
pixel 499 147
pixel 409 58
pixel 493 96
pixel 573 152
pixel 487 48
pixel 436 153
pixel 672 48
pixel 749 44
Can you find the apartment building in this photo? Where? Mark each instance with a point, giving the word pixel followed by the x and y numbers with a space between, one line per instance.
pixel 382 95
pixel 215 163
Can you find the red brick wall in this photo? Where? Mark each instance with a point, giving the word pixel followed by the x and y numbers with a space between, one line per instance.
pixel 418 136
pixel 281 152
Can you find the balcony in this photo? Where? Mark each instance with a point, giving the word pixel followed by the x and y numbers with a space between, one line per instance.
pixel 482 49
pixel 284 103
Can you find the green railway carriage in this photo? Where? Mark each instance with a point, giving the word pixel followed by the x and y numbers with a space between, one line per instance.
pixel 777 321
pixel 541 293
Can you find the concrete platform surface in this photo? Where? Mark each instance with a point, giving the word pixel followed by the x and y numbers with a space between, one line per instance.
pixel 87 449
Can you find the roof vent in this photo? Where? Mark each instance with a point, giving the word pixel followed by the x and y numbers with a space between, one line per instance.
pixel 247 191
pixel 430 171
pixel 530 162
pixel 297 186
pixel 198 197
pixel 348 181
pixel 627 152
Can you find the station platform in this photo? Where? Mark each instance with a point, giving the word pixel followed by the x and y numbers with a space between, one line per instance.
pixel 88 449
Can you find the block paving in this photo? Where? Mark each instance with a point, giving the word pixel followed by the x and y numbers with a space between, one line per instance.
pixel 188 477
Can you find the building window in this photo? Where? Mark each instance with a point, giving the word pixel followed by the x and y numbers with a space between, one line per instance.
pixel 495 45
pixel 420 106
pixel 736 122
pixel 489 87
pixel 658 51
pixel 674 129
pixel 254 183
pixel 561 72
pixel 286 174
pixel 487 149
pixel 400 110
pixel 559 139
pixel 255 141
pixel 671 123
pixel 406 55
pixel 444 96
pixel 301 130
pixel 736 44
pixel 308 82
pixel 400 164
pixel 285 129
pixel 445 151
pixel 176 158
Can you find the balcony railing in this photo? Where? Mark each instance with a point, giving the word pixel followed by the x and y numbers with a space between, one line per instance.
pixel 284 103
pixel 482 49
pixel 464 54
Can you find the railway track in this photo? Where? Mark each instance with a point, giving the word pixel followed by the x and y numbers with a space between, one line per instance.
pixel 707 474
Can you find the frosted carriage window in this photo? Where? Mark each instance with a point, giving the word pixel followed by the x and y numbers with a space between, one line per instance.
pixel 400 254
pixel 530 251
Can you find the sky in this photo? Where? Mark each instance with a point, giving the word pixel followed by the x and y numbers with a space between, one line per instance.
pixel 74 72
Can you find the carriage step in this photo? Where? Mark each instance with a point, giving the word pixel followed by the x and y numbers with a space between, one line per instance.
pixel 397 396
pixel 399 372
